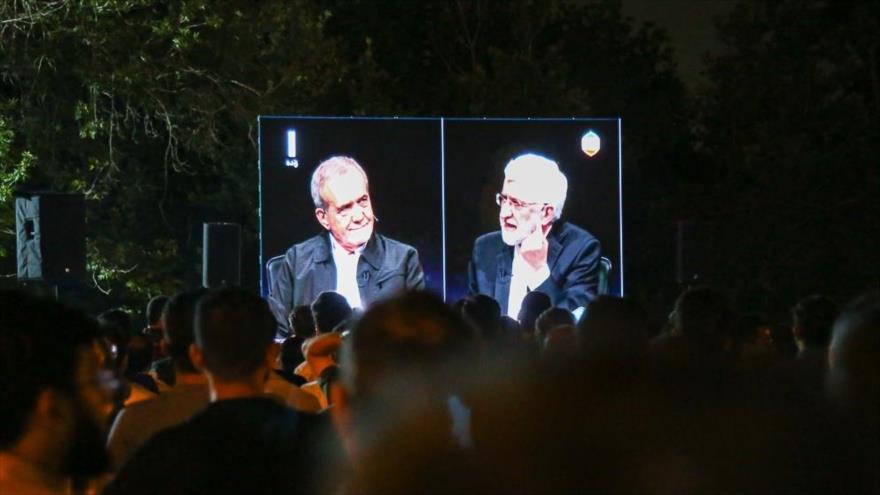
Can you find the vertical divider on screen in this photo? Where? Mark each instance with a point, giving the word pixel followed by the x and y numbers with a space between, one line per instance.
pixel 264 291
pixel 620 195
pixel 443 199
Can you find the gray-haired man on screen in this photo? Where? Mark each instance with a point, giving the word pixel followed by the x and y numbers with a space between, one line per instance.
pixel 534 250
pixel 350 258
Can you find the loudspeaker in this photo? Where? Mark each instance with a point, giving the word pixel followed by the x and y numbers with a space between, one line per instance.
pixel 51 237
pixel 221 254
pixel 693 252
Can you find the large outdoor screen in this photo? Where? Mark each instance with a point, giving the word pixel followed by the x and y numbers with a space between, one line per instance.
pixel 440 198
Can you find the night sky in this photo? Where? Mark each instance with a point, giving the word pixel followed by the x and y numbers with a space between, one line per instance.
pixel 690 25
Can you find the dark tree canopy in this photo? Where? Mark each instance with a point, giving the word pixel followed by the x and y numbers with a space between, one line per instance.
pixel 149 108
pixel 791 135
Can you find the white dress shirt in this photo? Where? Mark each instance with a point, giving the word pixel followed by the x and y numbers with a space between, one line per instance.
pixel 523 278
pixel 346 273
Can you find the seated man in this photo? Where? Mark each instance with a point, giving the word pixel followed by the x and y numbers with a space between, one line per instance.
pixel 244 441
pixel 351 258
pixel 534 250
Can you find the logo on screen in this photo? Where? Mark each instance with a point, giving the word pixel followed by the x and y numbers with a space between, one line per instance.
pixel 590 144
pixel 291 160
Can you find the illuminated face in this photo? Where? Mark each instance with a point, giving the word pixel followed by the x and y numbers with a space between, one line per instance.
pixel 348 212
pixel 518 216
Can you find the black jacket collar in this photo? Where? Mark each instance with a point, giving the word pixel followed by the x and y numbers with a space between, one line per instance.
pixel 373 253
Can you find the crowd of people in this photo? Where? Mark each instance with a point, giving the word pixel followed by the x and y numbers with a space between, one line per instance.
pixel 414 395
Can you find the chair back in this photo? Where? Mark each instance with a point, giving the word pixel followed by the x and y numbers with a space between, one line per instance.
pixel 605 267
pixel 273 266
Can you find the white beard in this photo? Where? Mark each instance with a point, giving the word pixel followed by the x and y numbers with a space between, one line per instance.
pixel 512 237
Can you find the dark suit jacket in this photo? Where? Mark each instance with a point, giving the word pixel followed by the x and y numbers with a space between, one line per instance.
pixel 573 258
pixel 384 268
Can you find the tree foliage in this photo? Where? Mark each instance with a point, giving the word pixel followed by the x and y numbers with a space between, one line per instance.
pixel 791 133
pixel 538 59
pixel 149 109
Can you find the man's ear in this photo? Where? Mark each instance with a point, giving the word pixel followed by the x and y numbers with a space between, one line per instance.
pixel 197 357
pixel 272 354
pixel 548 215
pixel 321 215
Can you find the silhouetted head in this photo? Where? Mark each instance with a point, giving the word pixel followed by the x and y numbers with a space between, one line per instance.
pixel 140 354
pixel 399 366
pixel 614 326
pixel 115 326
pixel 291 354
pixel 234 330
pixel 812 319
pixel 854 353
pixel 329 310
pixel 154 329
pixel 484 314
pixel 154 310
pixel 179 321
pixel 703 314
pixel 560 343
pixel 533 304
pixel 414 334
pixel 301 321
pixel 550 319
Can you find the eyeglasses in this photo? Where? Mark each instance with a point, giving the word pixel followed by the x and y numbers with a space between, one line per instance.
pixel 516 204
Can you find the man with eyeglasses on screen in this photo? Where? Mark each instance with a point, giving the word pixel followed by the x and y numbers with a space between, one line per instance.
pixel 534 250
pixel 350 258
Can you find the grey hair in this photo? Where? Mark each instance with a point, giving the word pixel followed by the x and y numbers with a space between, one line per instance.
pixel 333 167
pixel 543 174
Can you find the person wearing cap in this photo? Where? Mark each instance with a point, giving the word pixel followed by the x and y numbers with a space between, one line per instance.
pixel 350 258
pixel 534 250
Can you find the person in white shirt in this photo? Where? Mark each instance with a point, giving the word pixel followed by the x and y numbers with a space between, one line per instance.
pixel 534 249
pixel 350 258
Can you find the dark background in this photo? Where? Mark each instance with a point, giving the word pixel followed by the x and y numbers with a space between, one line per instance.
pixel 477 152
pixel 401 158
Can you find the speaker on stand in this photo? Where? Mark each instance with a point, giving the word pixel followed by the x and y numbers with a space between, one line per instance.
pixel 50 238
pixel 221 255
